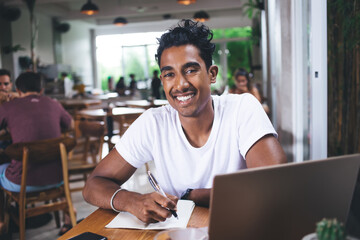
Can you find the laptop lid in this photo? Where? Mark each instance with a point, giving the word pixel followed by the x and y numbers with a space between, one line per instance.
pixel 283 201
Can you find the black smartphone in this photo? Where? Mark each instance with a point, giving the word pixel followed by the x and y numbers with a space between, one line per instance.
pixel 88 236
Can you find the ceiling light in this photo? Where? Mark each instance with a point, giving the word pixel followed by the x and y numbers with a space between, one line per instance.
pixel 186 2
pixel 89 8
pixel 201 16
pixel 120 21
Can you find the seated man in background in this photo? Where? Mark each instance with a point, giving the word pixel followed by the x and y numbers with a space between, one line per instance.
pixel 29 118
pixel 6 93
pixel 191 140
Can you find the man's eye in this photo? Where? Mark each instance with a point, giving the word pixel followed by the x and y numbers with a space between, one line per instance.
pixel 189 71
pixel 168 74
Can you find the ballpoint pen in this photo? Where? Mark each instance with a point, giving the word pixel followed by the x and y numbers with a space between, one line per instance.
pixel 157 188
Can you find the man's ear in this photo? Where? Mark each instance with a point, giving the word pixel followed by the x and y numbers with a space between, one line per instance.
pixel 213 71
pixel 19 92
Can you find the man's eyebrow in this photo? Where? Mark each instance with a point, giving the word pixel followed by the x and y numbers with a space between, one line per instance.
pixel 165 68
pixel 191 64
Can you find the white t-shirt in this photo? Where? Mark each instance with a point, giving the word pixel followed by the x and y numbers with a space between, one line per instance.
pixel 239 121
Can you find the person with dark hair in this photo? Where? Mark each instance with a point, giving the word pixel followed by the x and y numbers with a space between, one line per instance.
pixel 6 93
pixel 110 83
pixel 243 84
pixel 155 85
pixel 194 138
pixel 120 86
pixel 133 85
pixel 29 118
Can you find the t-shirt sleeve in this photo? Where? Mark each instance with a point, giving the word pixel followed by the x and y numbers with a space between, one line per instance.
pixel 135 146
pixel 253 123
pixel 65 117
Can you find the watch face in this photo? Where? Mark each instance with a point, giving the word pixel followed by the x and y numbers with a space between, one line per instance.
pixel 186 194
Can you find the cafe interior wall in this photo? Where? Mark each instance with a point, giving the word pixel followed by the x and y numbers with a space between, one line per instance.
pixel 77 50
pixel 43 44
pixel 75 45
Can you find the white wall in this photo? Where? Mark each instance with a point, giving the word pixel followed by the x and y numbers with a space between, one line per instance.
pixel 76 50
pixel 21 35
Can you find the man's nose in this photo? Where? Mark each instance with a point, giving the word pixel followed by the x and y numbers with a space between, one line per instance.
pixel 181 83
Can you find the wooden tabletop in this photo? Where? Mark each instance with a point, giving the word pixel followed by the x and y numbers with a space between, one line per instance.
pixel 114 112
pixel 79 103
pixel 146 104
pixel 97 220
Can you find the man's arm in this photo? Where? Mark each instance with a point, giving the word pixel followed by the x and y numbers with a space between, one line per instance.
pixel 267 151
pixel 111 173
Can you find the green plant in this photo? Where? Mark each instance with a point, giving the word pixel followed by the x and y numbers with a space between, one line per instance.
pixel 330 229
pixel 253 7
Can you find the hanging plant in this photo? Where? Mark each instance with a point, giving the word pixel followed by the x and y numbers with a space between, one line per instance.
pixel 33 31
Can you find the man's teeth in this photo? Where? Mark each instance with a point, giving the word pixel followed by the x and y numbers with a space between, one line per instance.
pixel 184 98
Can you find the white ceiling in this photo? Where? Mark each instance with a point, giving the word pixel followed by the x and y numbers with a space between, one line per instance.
pixel 142 14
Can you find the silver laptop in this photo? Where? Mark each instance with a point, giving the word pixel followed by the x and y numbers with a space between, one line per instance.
pixel 281 202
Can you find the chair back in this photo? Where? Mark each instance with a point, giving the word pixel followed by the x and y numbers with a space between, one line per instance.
pixel 54 199
pixel 40 151
pixel 126 120
pixel 94 132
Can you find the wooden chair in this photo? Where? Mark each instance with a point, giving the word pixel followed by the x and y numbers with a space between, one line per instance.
pixel 124 122
pixel 88 153
pixel 51 200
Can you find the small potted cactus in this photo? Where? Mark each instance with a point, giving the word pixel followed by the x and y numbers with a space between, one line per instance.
pixel 330 229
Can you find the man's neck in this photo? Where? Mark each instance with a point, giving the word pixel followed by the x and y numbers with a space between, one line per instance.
pixel 22 94
pixel 197 129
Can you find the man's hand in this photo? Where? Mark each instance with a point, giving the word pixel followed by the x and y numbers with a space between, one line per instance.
pixel 153 207
pixel 7 96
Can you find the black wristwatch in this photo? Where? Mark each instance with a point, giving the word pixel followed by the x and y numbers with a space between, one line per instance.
pixel 186 194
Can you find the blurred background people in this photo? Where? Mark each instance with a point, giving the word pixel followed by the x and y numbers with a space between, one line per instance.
pixel 243 84
pixel 32 117
pixel 110 83
pixel 6 93
pixel 132 86
pixel 155 85
pixel 68 85
pixel 120 86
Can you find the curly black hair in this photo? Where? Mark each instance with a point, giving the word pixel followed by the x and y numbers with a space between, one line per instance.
pixel 188 32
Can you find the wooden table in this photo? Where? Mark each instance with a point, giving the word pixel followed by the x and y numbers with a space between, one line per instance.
pixel 117 111
pixel 146 104
pixel 73 106
pixel 124 116
pixel 97 220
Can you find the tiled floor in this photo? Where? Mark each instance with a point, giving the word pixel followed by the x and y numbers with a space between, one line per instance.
pixel 138 182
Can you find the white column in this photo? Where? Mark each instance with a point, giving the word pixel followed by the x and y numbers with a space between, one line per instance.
pixel 318 74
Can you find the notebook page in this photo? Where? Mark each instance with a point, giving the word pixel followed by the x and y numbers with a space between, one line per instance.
pixel 127 220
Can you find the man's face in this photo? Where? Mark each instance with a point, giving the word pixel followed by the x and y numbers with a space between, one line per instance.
pixel 186 81
pixel 5 83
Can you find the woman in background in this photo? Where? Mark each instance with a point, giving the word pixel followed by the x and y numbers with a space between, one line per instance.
pixel 244 85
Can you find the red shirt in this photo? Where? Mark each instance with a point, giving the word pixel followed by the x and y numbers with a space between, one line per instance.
pixel 34 118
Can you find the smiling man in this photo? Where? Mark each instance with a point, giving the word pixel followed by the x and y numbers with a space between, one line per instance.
pixel 194 138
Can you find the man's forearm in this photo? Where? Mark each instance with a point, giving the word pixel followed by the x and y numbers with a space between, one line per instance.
pixel 201 197
pixel 98 191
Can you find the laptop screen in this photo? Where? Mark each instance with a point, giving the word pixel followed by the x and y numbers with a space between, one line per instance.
pixel 282 202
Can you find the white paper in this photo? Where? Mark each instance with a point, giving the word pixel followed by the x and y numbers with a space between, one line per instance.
pixel 127 220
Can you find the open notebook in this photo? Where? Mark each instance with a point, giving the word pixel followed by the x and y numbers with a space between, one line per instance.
pixel 127 220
